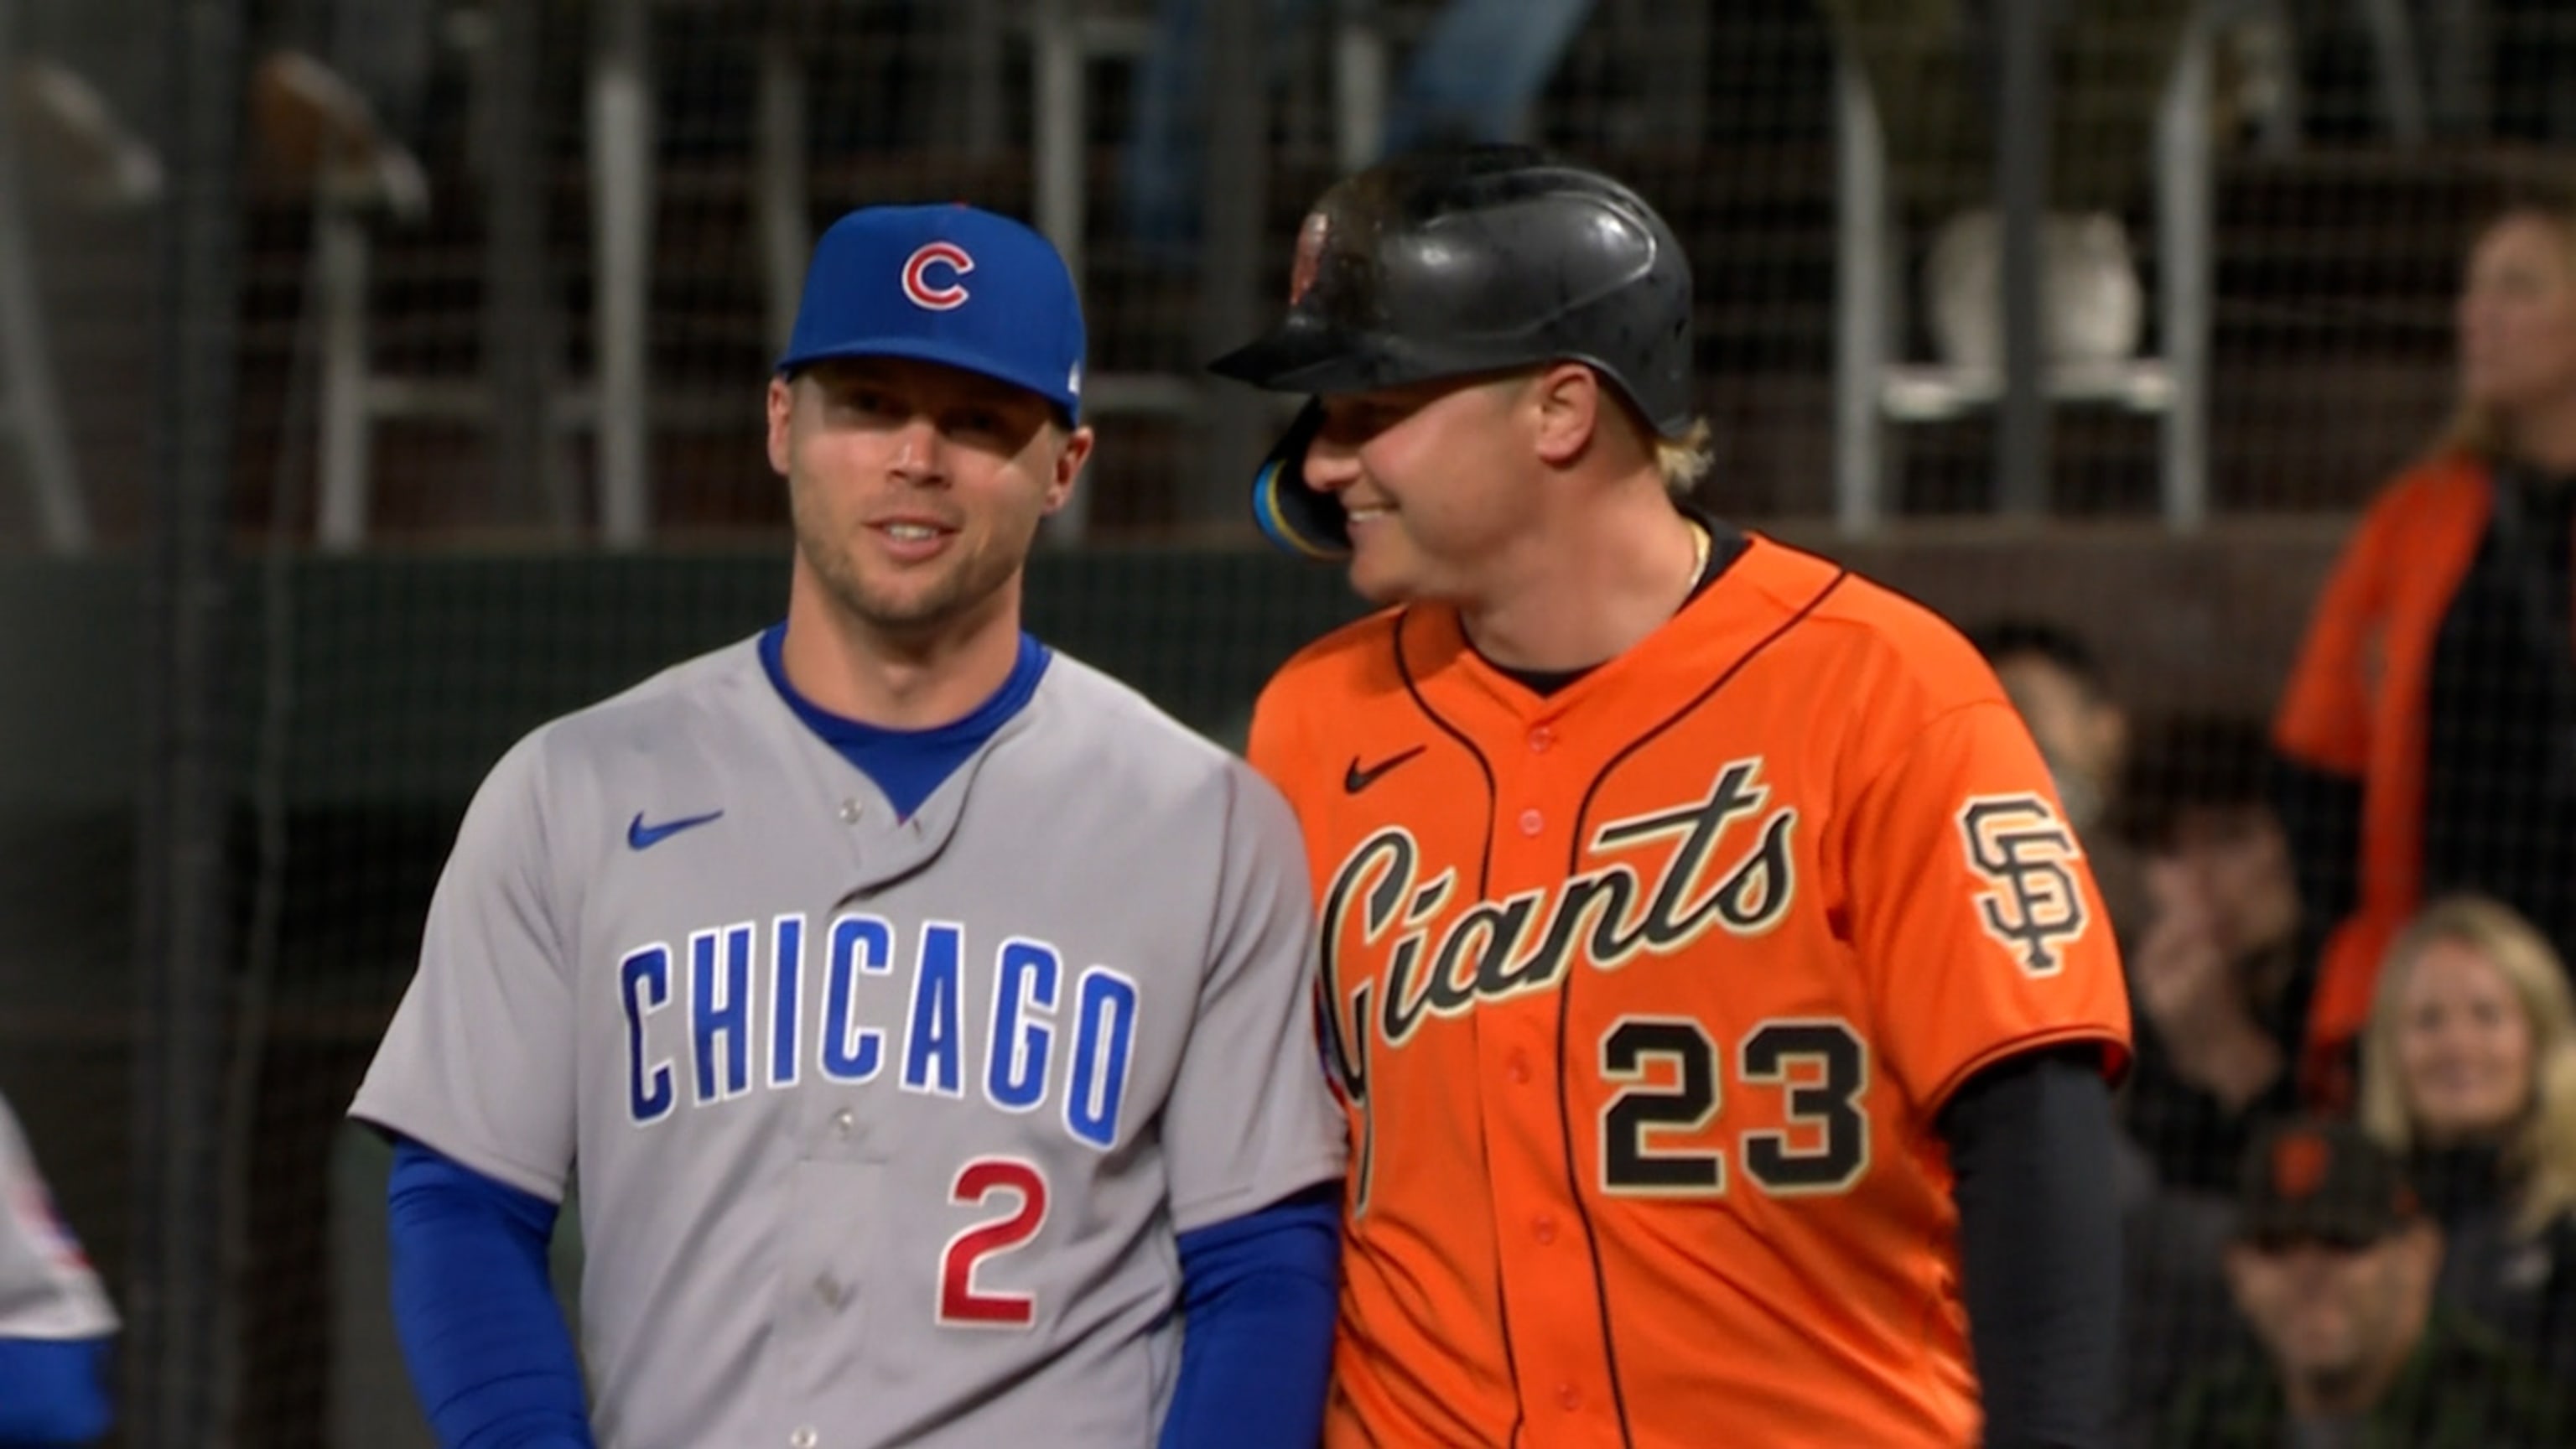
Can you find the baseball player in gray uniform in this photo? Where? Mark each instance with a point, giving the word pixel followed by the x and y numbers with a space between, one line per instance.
pixel 924 1015
pixel 55 1322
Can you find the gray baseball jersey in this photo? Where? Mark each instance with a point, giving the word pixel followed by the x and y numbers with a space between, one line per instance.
pixel 884 1127
pixel 47 1289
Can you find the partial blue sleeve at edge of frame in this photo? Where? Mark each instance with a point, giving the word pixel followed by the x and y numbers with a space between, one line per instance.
pixel 1259 1294
pixel 490 1355
pixel 52 1391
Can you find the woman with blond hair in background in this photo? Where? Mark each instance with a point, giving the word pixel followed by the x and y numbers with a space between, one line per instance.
pixel 2428 731
pixel 2468 1068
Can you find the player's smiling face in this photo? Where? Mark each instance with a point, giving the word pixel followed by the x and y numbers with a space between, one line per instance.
pixel 1432 476
pixel 917 488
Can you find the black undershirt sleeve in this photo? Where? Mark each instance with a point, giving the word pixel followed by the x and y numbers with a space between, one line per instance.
pixel 2039 1245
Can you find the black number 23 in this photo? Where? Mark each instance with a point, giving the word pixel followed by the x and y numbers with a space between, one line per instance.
pixel 1821 1065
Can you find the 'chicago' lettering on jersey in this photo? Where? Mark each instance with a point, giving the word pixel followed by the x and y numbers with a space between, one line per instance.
pixel 1495 950
pixel 703 1023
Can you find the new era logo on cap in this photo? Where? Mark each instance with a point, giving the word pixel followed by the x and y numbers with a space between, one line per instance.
pixel 893 281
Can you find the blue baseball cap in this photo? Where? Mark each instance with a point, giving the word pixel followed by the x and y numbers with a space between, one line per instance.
pixel 951 284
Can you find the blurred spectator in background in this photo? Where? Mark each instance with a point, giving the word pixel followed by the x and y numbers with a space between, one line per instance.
pixel 1475 75
pixel 75 142
pixel 2333 1267
pixel 2175 1316
pixel 341 97
pixel 2469 1068
pixel 2057 684
pixel 2213 977
pixel 76 88
pixel 55 1322
pixel 1932 67
pixel 2428 729
pixel 2056 681
pixel 2215 969
pixel 341 92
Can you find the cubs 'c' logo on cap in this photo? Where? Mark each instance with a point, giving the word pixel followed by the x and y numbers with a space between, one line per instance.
pixel 2023 850
pixel 2298 1165
pixel 947 258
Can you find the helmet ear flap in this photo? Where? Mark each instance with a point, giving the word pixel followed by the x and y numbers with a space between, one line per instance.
pixel 1299 519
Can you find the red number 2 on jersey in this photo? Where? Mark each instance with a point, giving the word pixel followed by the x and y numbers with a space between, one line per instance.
pixel 961 1303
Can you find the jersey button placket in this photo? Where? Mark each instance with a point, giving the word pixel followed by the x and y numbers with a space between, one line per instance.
pixel 1551 1310
pixel 1544 1317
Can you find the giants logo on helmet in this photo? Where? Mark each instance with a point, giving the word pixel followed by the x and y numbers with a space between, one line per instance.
pixel 948 256
pixel 1311 240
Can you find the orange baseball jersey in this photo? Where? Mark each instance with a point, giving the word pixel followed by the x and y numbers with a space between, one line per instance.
pixel 1642 999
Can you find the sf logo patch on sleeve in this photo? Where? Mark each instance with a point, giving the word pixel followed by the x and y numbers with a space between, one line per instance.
pixel 2021 849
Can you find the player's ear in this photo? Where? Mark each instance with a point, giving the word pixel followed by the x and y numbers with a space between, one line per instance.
pixel 781 398
pixel 1069 458
pixel 1567 399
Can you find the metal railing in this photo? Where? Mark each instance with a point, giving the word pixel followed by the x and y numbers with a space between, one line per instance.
pixel 1873 388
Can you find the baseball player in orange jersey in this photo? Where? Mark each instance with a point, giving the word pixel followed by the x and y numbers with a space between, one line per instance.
pixel 1718 996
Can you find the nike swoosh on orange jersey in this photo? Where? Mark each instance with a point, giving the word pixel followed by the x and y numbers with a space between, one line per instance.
pixel 1355 779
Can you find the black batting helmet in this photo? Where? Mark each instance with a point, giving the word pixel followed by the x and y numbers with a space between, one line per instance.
pixel 1458 261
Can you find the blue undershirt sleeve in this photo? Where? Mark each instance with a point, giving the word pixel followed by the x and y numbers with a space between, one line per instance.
pixel 490 1355
pixel 52 1391
pixel 1258 1295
